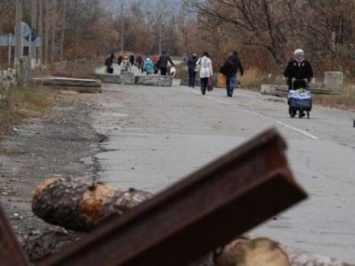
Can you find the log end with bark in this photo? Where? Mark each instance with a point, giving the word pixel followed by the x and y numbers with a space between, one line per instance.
pixel 78 204
pixel 266 252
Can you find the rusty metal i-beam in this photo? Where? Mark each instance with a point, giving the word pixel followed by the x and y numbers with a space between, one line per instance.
pixel 10 250
pixel 207 209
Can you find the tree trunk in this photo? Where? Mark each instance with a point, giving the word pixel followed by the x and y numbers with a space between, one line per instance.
pixel 40 29
pixel 34 26
pixel 79 205
pixel 18 34
pixel 263 251
pixel 47 25
pixel 63 30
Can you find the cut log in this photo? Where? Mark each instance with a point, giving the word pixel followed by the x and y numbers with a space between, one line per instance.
pixel 261 251
pixel 226 256
pixel 78 205
pixel 301 257
pixel 266 252
pixel 257 252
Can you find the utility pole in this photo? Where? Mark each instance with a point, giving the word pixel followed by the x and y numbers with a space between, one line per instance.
pixel 122 27
pixel 32 49
pixel 10 46
pixel 40 29
pixel 18 34
pixel 63 30
pixel 47 26
pixel 160 37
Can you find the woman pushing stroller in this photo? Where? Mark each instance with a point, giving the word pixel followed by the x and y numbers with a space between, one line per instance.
pixel 298 73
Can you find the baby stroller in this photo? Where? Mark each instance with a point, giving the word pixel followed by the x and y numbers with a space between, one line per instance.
pixel 299 99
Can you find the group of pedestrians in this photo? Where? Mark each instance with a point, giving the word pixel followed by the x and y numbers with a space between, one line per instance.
pixel 204 68
pixel 150 65
pixel 297 71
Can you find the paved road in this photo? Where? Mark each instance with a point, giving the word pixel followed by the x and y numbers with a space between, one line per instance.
pixel 158 135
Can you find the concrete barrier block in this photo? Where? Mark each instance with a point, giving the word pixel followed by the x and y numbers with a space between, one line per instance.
pixel 127 77
pixel 333 80
pixel 267 89
pixel 273 89
pixel 108 78
pixel 154 80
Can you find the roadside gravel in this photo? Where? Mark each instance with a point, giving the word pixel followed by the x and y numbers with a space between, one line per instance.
pixel 37 149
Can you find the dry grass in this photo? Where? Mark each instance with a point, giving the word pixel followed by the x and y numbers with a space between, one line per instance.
pixel 80 69
pixel 19 103
pixel 253 78
pixel 344 100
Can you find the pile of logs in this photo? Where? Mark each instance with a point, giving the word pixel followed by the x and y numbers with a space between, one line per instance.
pixel 80 205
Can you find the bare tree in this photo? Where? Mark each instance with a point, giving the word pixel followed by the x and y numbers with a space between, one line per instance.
pixel 64 13
pixel 264 23
pixel 330 32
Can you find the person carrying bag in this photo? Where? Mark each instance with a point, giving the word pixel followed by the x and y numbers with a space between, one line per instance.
pixel 205 72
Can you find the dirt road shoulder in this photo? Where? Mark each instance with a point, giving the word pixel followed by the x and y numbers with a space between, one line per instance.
pixel 55 145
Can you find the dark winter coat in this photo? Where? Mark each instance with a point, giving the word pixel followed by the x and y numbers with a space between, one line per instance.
pixel 231 66
pixel 299 71
pixel 108 63
pixel 109 60
pixel 191 63
pixel 163 61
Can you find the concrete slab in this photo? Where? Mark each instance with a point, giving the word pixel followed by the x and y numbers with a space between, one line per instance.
pixel 64 83
pixel 154 80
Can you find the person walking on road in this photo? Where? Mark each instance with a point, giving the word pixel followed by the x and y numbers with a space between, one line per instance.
pixel 163 63
pixel 230 69
pixel 191 68
pixel 132 60
pixel 126 65
pixel 148 66
pixel 109 62
pixel 140 63
pixel 298 74
pixel 298 70
pixel 204 64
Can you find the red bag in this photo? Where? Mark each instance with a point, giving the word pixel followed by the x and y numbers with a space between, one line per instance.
pixel 210 84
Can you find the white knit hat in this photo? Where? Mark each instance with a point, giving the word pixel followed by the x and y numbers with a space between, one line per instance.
pixel 298 52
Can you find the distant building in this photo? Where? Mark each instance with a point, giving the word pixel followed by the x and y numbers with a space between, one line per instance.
pixel 9 40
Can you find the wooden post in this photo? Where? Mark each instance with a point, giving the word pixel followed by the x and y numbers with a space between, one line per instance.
pixel 18 34
pixel 10 50
pixel 40 29
pixel 63 30
pixel 33 49
pixel 10 251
